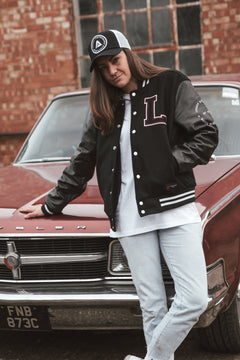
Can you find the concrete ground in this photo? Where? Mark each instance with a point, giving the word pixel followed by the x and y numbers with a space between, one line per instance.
pixel 85 345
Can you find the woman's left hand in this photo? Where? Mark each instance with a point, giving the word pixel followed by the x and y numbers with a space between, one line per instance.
pixel 32 211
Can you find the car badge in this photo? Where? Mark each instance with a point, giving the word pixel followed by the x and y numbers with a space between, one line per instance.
pixel 12 260
pixel 19 228
pixel 59 227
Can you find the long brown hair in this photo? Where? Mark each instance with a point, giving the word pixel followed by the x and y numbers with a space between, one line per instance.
pixel 105 97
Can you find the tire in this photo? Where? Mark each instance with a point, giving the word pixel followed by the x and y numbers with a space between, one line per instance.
pixel 223 335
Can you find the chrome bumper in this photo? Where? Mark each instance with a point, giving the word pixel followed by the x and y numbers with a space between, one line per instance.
pixel 113 307
pixel 108 306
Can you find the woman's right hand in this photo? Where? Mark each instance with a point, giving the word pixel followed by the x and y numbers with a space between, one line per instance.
pixel 32 211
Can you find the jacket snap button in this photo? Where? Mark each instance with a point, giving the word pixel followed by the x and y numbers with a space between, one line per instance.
pixel 114 148
pixel 138 176
pixel 143 211
pixel 134 131
pixel 133 94
pixel 134 113
pixel 135 153
pixel 118 125
pixel 141 203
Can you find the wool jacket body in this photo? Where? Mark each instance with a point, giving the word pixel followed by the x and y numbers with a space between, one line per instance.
pixel 171 132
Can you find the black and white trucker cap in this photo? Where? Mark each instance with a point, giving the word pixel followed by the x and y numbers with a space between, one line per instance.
pixel 109 42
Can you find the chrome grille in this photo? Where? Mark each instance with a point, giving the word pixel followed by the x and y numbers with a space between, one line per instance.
pixel 77 271
pixel 52 246
pixel 57 262
pixel 56 259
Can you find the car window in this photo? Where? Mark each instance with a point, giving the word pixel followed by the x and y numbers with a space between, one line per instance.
pixel 224 104
pixel 59 130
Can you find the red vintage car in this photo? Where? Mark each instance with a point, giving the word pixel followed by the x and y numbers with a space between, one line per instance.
pixel 65 272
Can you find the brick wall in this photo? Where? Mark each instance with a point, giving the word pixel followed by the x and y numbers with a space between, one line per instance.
pixel 37 61
pixel 221 36
pixel 9 146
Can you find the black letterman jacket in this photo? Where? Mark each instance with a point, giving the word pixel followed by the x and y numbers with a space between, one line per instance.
pixel 171 132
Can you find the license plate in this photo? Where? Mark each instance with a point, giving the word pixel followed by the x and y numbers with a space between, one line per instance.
pixel 24 317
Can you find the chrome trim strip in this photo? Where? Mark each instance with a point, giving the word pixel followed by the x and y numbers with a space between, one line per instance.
pixel 63 281
pixel 227 156
pixel 36 161
pixel 210 214
pixel 218 83
pixel 51 235
pixel 107 278
pixel 51 281
pixel 12 297
pixel 225 201
pixel 204 220
pixel 55 259
pixel 126 277
pixel 62 258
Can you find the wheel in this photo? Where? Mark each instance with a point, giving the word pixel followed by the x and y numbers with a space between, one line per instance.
pixel 223 335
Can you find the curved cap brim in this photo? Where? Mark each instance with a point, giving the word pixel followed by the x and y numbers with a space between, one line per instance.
pixel 110 52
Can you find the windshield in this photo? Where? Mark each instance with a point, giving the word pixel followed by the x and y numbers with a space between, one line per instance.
pixel 59 131
pixel 224 104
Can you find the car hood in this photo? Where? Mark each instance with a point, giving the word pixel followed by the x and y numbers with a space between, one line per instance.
pixel 22 185
pixel 28 184
pixel 207 175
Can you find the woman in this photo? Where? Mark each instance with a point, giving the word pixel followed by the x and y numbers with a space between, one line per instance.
pixel 148 130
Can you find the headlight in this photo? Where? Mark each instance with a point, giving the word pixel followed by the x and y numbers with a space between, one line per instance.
pixel 118 264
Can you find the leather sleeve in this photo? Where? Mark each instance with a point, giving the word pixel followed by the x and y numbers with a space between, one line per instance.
pixel 78 172
pixel 193 117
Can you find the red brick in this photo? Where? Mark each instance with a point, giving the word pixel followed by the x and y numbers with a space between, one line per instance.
pixel 31 75
pixel 221 42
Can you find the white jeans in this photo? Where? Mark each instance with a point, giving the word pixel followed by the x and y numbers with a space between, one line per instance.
pixel 181 247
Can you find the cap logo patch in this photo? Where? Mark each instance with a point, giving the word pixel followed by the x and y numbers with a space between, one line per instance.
pixel 98 44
